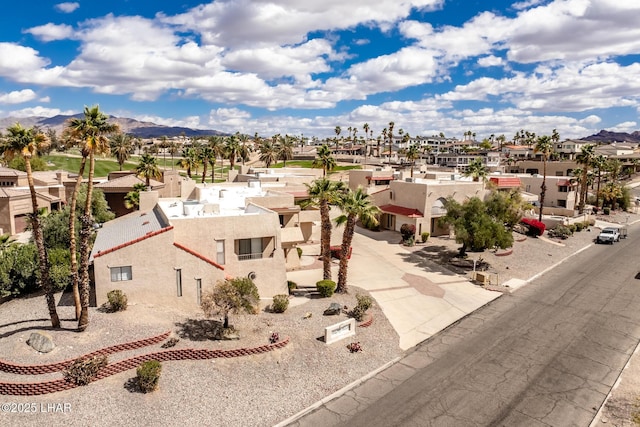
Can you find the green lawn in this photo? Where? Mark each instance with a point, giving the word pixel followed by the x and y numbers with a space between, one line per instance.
pixel 72 164
pixel 309 164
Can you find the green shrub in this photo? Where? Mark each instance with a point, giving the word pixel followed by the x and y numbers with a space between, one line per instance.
pixel 579 226
pixel 424 236
pixel 299 252
pixel 291 285
pixel 148 375
pixel 84 370
pixel 364 303
pixel 117 300
pixel 606 210
pixel 326 288
pixel 280 303
pixel 572 228
pixel 560 231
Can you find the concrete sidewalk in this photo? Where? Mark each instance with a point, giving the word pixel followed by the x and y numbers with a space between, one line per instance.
pixel 417 302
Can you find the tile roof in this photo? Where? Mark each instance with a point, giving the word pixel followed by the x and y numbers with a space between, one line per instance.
pixel 197 255
pixel 11 172
pixel 506 181
pixel 401 210
pixel 127 182
pixel 127 230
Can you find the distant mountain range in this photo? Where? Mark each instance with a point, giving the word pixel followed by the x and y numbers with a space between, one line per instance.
pixel 130 126
pixel 606 136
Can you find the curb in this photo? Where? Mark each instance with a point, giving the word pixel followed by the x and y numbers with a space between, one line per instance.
pixel 336 394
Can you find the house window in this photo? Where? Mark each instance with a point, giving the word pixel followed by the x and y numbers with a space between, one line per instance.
pixel 250 248
pixel 199 290
pixel 220 252
pixel 120 274
pixel 563 189
pixel 179 281
pixel 390 221
pixel 391 195
pixel 562 203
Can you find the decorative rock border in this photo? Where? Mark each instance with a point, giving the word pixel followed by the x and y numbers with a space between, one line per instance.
pixel 505 253
pixel 366 323
pixel 45 387
pixel 59 366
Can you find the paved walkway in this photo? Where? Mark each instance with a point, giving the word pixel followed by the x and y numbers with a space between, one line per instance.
pixel 418 303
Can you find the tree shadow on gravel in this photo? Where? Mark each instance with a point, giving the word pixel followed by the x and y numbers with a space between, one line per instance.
pixel 200 329
pixel 440 258
pixel 131 385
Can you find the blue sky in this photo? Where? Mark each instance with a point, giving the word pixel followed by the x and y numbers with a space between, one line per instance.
pixel 305 67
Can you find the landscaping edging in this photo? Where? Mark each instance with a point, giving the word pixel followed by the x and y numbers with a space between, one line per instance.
pixel 366 323
pixel 45 387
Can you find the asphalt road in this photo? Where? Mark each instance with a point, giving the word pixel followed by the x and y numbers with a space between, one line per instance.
pixel 546 355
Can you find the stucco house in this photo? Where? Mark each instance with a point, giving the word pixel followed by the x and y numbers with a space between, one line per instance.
pixel 172 249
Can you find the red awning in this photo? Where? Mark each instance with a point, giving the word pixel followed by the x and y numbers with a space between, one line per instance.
pixel 400 210
pixel 506 181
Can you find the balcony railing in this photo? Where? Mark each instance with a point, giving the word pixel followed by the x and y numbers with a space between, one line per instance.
pixel 244 257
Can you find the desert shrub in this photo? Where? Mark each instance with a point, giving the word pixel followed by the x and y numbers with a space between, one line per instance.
pixel 560 231
pixel 407 231
pixel 84 370
pixel 354 347
pixel 364 303
pixel 274 337
pixel 606 210
pixel 299 252
pixel 248 292
pixel 326 288
pixel 230 296
pixel 148 375
pixel 117 300
pixel 579 226
pixel 572 228
pixel 424 236
pixel 291 285
pixel 280 303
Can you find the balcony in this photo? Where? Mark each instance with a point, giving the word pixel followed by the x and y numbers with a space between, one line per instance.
pixel 244 257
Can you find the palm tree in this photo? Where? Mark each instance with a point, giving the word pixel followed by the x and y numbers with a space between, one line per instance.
pixel 337 130
pixel 189 160
pixel 412 154
pixel 576 179
pixel 132 198
pixel 585 159
pixel 245 150
pixel 323 192
pixel 92 129
pixel 366 128
pixel 598 163
pixel 26 143
pixel 477 170
pixel 324 159
pixel 148 168
pixel 268 152
pixel 173 150
pixel 232 150
pixel 121 146
pixel 285 149
pixel 354 205
pixel 390 136
pixel 205 155
pixel 216 143
pixel 544 146
pixel 164 144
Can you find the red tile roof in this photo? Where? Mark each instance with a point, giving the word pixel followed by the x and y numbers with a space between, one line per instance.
pixel 380 178
pixel 506 181
pixel 197 255
pixel 401 210
pixel 131 242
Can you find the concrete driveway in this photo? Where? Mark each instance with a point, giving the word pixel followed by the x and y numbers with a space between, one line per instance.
pixel 418 302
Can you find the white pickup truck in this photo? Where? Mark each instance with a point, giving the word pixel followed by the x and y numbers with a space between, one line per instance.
pixel 608 235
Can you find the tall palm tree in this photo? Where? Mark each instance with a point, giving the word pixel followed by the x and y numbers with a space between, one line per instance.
pixel 93 130
pixel 232 150
pixel 268 152
pixel 544 146
pixel 245 149
pixel 354 205
pixel 173 150
pixel 337 130
pixel 412 154
pixel 216 143
pixel 366 129
pixel 121 146
pixel 585 159
pixel 599 164
pixel 322 193
pixel 324 159
pixel 189 160
pixel 164 144
pixel 390 136
pixel 148 168
pixel 285 149
pixel 205 155
pixel 26 143
pixel 576 179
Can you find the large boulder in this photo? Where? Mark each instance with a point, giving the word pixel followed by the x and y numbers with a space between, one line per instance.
pixel 333 310
pixel 41 342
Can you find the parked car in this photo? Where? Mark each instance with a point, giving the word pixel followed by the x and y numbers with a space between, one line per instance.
pixel 608 235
